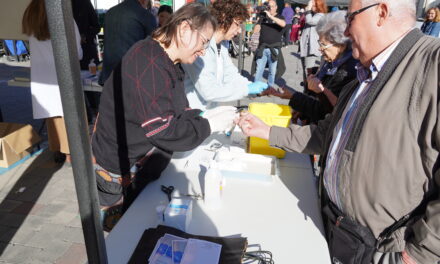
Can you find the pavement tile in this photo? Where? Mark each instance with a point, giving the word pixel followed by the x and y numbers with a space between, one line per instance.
pixel 64 218
pixel 51 252
pixel 73 234
pixel 7 205
pixel 75 222
pixel 72 207
pixel 49 195
pixel 12 220
pixel 51 210
pixel 34 222
pixel 18 235
pixel 28 208
pixel 15 253
pixel 76 254
pixel 47 235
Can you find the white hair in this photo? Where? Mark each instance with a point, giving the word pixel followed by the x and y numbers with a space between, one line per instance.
pixel 399 9
pixel 332 26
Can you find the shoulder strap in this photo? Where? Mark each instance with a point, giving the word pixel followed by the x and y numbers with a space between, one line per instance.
pixel 376 87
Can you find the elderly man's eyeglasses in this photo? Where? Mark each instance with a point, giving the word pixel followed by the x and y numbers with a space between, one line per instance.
pixel 323 46
pixel 350 16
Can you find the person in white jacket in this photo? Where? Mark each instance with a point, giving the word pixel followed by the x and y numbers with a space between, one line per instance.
pixel 46 99
pixel 213 78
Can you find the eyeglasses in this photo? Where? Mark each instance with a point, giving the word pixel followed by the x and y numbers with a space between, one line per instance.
pixel 205 40
pixel 350 16
pixel 322 46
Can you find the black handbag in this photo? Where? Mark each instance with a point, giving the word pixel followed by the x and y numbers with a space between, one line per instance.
pixel 348 241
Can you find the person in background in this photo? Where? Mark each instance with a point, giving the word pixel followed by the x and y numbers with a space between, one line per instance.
pixel 125 24
pixel 144 115
pixel 164 14
pixel 288 14
pixel 269 46
pixel 296 16
pixel 153 7
pixel 431 26
pixel 87 21
pixel 296 27
pixel 309 48
pixel 46 99
pixel 88 25
pixel 380 187
pixel 214 78
pixel 337 71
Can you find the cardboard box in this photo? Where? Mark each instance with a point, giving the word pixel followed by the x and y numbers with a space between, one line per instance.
pixel 16 142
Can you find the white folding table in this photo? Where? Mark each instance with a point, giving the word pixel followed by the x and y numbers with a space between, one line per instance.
pixel 282 216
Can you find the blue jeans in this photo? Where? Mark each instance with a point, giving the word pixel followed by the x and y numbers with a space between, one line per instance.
pixel 261 64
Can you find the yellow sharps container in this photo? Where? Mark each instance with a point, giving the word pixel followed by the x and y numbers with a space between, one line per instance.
pixel 273 115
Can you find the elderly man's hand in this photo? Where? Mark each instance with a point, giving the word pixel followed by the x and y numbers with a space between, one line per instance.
pixel 252 126
pixel 407 258
pixel 314 84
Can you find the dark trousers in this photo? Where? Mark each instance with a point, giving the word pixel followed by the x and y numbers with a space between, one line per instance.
pixel 286 34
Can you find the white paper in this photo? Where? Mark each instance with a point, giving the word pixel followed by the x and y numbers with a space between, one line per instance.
pixel 201 252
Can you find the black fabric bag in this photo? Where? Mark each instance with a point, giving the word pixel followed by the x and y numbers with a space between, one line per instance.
pixel 348 241
pixel 232 251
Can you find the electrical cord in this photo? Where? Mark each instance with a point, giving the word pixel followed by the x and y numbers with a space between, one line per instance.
pixel 262 256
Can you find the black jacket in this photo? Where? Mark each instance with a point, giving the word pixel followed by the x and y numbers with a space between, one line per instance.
pixel 144 113
pixel 315 108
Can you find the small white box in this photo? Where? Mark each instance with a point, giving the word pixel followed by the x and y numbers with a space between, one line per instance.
pixel 178 213
pixel 246 166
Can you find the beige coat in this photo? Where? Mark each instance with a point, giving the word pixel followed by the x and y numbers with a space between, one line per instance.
pixel 387 171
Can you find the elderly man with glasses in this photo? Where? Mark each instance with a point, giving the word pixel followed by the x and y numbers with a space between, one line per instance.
pixel 380 146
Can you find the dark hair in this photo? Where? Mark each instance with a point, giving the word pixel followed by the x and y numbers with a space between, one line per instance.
pixel 165 8
pixel 34 22
pixel 195 13
pixel 225 11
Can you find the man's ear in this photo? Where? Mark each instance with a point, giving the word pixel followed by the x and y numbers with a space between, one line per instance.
pixel 383 13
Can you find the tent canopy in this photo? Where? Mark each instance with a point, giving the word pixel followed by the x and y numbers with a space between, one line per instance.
pixel 329 2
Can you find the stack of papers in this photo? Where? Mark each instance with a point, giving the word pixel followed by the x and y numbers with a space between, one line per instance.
pixel 171 249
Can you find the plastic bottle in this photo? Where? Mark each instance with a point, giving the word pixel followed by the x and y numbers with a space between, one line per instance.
pixel 213 186
pixel 160 209
pixel 92 67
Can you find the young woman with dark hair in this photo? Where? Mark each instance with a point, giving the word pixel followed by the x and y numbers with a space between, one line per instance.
pixel 164 14
pixel 144 115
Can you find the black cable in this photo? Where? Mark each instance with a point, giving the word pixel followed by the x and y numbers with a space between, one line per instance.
pixel 262 256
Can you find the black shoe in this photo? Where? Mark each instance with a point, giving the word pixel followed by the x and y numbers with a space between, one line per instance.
pixel 59 157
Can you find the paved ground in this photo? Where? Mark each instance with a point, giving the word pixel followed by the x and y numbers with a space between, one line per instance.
pixel 39 219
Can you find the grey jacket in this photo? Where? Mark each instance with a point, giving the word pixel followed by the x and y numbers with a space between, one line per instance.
pixel 309 38
pixel 391 161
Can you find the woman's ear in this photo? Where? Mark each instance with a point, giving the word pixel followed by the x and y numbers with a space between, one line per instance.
pixel 182 31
